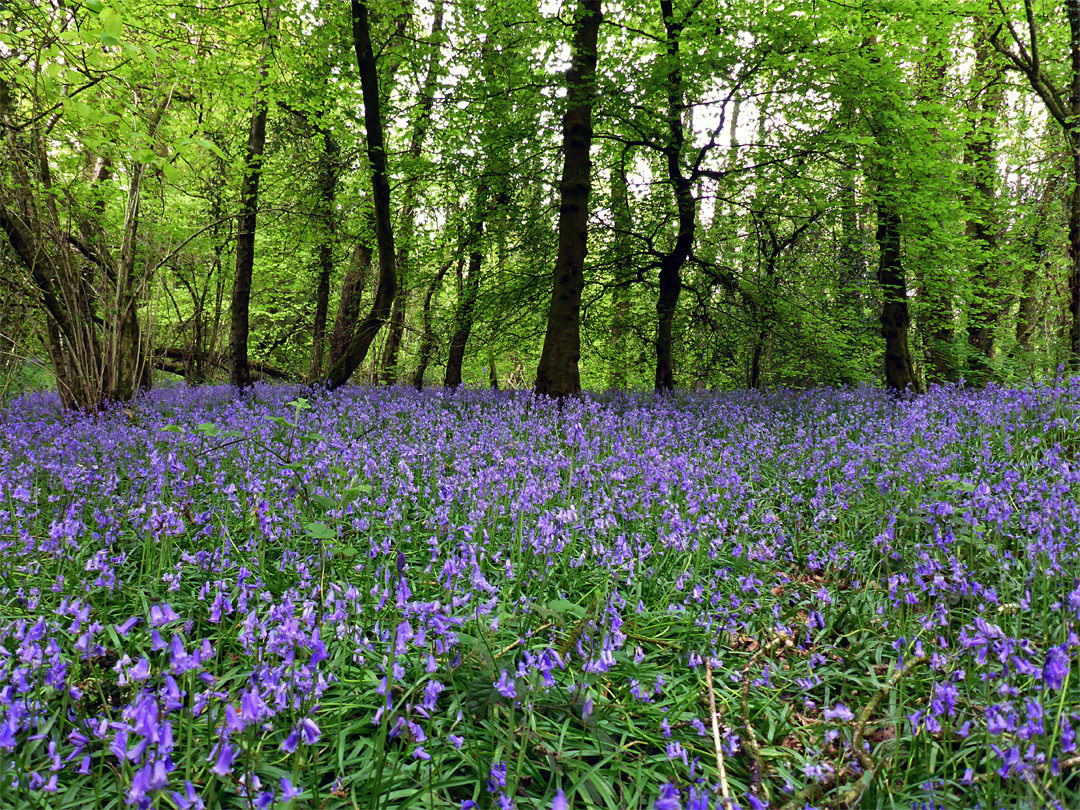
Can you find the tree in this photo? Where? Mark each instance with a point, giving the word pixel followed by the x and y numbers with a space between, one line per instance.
pixel 239 370
pixel 557 374
pixel 980 156
pixel 1024 54
pixel 87 272
pixel 366 330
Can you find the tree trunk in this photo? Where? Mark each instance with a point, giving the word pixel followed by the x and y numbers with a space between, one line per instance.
pixel 557 373
pixel 671 264
pixel 1065 109
pixel 756 357
pixel 427 343
pixel 239 371
pixel 463 319
pixel 392 346
pixel 1074 253
pixel 895 320
pixel 352 298
pixel 493 372
pixel 980 154
pixel 1028 314
pixel 380 191
pixel 620 321
pixel 1072 8
pixel 89 296
pixel 328 171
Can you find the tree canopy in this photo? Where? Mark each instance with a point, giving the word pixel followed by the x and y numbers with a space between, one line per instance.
pixel 535 193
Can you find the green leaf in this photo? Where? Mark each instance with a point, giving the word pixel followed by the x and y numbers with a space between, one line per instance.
pixel 94 6
pixel 213 147
pixel 112 24
pixel 208 429
pixel 172 174
pixel 325 502
pixel 563 606
pixel 320 531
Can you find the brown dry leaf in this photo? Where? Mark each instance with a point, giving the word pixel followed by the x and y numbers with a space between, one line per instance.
pixel 881 734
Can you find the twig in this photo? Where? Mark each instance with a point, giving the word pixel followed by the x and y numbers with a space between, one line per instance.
pixel 750 743
pixel 725 793
pixel 509 647
pixel 811 792
pixel 860 730
pixel 661 642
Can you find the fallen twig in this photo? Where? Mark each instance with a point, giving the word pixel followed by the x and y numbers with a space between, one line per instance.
pixel 509 647
pixel 750 743
pixel 725 793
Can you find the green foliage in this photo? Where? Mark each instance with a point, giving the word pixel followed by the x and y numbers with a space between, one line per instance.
pixel 798 120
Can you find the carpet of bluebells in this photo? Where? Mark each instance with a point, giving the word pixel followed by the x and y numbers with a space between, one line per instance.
pixel 384 598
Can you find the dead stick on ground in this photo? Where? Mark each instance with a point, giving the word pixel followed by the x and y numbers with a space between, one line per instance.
pixel 509 647
pixel 725 794
pixel 750 743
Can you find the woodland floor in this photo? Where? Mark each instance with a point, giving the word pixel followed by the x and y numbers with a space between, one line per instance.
pixel 384 598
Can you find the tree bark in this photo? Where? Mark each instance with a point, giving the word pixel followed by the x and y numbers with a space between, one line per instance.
pixel 352 298
pixel 328 179
pixel 670 279
pixel 427 343
pixel 239 372
pixel 620 321
pixel 463 319
pixel 557 374
pixel 1028 313
pixel 493 372
pixel 380 192
pixel 1073 12
pixel 895 319
pixel 937 285
pixel 89 296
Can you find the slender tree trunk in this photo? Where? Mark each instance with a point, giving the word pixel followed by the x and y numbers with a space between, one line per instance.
pixel 980 155
pixel 557 374
pixel 352 297
pixel 671 264
pixel 421 124
pixel 1028 314
pixel 1065 109
pixel 937 284
pixel 463 319
pixel 895 319
pixel 90 297
pixel 853 276
pixel 239 370
pixel 380 186
pixel 427 343
pixel 328 187
pixel 620 321
pixel 756 358
pixel 1072 8
pixel 1074 251
pixel 493 372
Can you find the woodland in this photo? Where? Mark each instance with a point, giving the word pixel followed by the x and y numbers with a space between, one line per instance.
pixel 802 276
pixel 540 195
